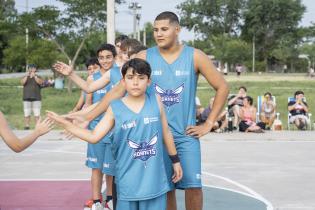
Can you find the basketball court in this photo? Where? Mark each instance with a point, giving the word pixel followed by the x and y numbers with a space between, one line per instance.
pixel 267 171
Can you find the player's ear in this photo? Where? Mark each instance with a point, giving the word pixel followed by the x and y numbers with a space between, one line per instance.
pixel 177 29
pixel 149 82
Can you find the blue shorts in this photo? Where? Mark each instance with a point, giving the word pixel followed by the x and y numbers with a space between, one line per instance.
pixel 158 203
pixel 188 150
pixel 109 161
pixel 96 152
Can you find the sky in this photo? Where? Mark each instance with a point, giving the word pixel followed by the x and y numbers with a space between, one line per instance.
pixel 151 8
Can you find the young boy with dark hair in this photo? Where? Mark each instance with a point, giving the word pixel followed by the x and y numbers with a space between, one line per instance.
pixel 85 100
pixel 98 155
pixel 119 60
pixel 139 127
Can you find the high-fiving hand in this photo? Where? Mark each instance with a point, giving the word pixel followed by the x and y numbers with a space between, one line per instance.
pixel 63 68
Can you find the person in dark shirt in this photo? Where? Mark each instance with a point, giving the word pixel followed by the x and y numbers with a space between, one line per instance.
pixel 31 95
pixel 298 109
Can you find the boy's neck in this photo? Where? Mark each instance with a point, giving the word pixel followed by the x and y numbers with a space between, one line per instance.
pixel 172 49
pixel 136 99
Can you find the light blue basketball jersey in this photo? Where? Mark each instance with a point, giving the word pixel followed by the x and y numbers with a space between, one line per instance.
pixel 115 75
pixel 138 151
pixel 99 94
pixel 176 84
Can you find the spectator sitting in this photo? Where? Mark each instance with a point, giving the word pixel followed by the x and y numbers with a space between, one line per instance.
pixel 221 123
pixel 298 110
pixel 235 103
pixel 248 117
pixel 268 110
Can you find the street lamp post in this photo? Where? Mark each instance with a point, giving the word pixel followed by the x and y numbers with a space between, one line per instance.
pixel 135 6
pixel 26 40
pixel 110 29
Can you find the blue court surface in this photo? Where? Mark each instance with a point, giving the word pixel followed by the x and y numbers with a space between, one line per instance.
pixel 224 199
pixel 274 170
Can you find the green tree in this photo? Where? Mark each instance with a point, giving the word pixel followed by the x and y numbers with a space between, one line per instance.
pixel 212 18
pixel 266 24
pixel 42 52
pixel 7 17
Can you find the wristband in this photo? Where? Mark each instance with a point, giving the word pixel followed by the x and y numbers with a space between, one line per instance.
pixel 174 158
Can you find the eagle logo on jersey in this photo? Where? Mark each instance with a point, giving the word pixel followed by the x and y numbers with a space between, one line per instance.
pixel 169 97
pixel 144 150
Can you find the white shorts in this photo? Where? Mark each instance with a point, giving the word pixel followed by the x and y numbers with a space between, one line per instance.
pixel 300 116
pixel 30 106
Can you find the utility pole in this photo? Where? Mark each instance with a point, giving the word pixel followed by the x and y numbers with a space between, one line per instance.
pixel 110 29
pixel 135 6
pixel 26 41
pixel 254 54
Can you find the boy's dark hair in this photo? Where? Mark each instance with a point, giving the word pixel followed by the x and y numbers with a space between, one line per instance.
pixel 107 47
pixel 121 38
pixel 167 15
pixel 32 66
pixel 268 93
pixel 298 93
pixel 138 66
pixel 244 88
pixel 249 99
pixel 92 61
pixel 136 49
pixel 129 43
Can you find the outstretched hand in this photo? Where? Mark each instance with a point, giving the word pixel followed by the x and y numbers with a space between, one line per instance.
pixel 57 118
pixel 77 120
pixel 43 127
pixel 63 68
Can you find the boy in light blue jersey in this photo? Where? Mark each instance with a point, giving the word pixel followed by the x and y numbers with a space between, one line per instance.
pixel 139 128
pixel 175 68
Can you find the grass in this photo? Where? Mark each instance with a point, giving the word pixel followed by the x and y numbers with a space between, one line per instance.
pixel 61 101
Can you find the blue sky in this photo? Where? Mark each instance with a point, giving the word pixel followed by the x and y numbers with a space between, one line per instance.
pixel 150 9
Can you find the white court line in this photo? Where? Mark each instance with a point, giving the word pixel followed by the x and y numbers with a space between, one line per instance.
pixel 251 192
pixel 247 189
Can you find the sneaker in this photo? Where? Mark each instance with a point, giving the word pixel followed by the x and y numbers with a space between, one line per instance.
pixel 109 205
pixel 97 206
pixel 88 203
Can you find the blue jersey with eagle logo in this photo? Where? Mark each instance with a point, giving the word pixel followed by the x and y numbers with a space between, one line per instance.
pixel 176 84
pixel 138 150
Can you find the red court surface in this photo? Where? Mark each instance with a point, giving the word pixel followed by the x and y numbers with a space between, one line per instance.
pixel 43 195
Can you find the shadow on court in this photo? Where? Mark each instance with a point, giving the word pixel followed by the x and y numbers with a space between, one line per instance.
pixel 221 199
pixel 70 195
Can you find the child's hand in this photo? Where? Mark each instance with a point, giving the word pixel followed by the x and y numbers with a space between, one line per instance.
pixel 63 68
pixel 178 172
pixel 57 118
pixel 77 120
pixel 43 127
